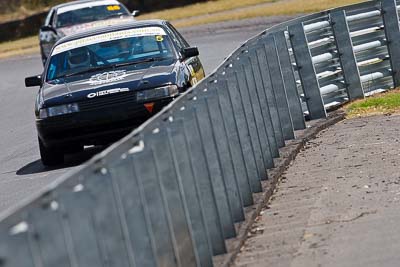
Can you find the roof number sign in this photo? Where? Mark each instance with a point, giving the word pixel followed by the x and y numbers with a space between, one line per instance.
pixel 113 8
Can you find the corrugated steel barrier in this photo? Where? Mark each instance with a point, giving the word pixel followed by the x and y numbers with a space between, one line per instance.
pixel 170 193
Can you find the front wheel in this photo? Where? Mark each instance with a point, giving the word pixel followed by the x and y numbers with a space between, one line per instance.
pixel 50 156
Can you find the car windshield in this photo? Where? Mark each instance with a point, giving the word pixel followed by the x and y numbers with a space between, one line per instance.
pixel 71 16
pixel 109 50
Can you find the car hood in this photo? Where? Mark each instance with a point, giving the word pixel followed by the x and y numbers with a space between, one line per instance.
pixel 64 31
pixel 129 78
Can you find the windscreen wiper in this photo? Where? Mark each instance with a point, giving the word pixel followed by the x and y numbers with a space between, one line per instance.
pixel 115 15
pixel 107 66
pixel 151 59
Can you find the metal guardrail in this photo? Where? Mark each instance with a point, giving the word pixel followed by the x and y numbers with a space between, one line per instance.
pixel 170 193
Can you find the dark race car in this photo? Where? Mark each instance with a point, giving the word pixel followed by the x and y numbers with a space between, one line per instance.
pixel 77 16
pixel 99 85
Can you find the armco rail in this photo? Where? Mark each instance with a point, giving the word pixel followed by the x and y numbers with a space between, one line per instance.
pixel 170 193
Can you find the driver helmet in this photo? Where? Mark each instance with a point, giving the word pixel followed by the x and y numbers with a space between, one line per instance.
pixel 125 47
pixel 78 58
pixel 125 44
pixel 137 45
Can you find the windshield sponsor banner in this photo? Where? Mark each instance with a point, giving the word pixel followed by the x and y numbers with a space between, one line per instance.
pixel 93 24
pixel 86 5
pixel 105 37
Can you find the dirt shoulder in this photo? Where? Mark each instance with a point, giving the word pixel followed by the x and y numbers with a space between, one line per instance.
pixel 337 204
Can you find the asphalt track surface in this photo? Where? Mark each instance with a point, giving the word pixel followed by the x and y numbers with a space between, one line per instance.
pixel 21 171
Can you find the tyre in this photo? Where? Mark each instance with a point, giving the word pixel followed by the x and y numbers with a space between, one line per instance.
pixel 50 156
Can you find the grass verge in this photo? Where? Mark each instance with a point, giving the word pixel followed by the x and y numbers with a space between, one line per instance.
pixel 18 14
pixel 283 7
pixel 23 46
pixel 204 8
pixel 382 104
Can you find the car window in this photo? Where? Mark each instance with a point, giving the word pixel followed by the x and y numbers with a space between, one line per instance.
pixel 89 14
pixel 49 18
pixel 131 48
pixel 175 39
pixel 110 49
pixel 179 37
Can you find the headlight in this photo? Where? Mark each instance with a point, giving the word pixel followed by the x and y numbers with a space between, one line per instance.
pixel 58 110
pixel 160 92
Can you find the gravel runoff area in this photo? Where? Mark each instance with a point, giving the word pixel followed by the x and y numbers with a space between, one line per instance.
pixel 337 204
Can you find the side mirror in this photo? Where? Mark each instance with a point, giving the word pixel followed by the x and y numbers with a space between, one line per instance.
pixel 48 28
pixel 135 13
pixel 189 52
pixel 33 81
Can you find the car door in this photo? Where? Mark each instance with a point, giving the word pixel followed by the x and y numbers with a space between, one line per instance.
pixel 47 35
pixel 193 64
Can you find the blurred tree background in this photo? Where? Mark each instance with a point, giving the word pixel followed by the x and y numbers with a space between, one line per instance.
pixel 142 5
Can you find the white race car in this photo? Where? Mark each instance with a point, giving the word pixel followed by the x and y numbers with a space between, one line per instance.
pixel 77 16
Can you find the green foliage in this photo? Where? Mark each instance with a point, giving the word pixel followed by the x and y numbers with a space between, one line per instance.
pixel 383 103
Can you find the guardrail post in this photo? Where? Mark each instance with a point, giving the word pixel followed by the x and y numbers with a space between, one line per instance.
pixel 279 88
pixel 218 185
pixel 249 71
pixel 222 178
pixel 270 96
pixel 200 233
pixel 234 141
pixel 216 224
pixel 49 237
pixel 306 71
pixel 133 205
pixel 175 206
pixel 104 210
pixel 347 58
pixel 392 31
pixel 156 210
pixel 263 102
pixel 79 208
pixel 224 154
pixel 15 245
pixel 289 81
pixel 244 134
pixel 241 80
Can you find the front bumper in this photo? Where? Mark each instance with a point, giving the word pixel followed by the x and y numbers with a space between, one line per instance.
pixel 95 127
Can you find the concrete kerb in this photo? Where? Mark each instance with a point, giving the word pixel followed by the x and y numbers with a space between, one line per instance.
pixel 288 154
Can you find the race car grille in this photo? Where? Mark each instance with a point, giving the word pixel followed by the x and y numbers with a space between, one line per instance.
pixel 107 101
